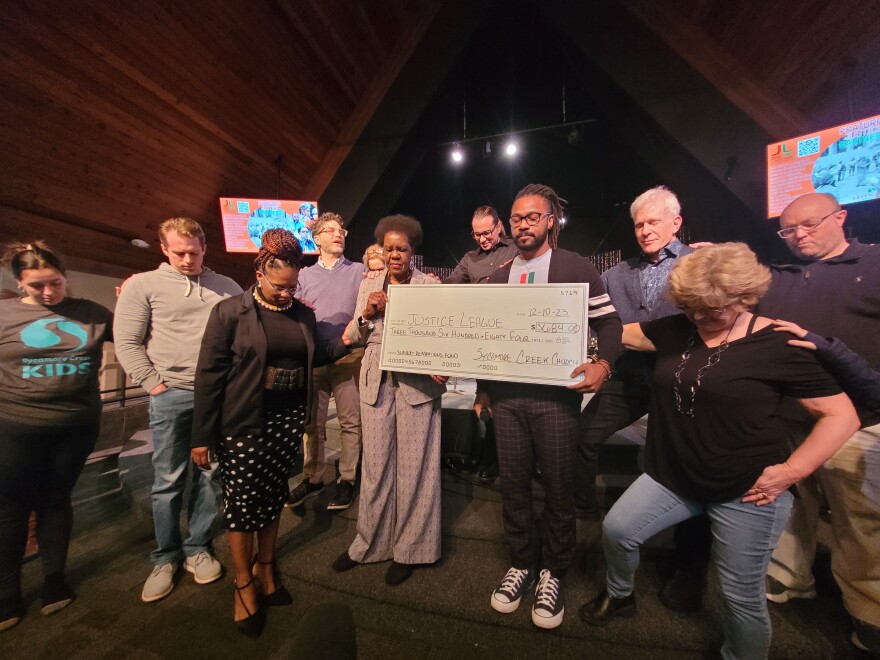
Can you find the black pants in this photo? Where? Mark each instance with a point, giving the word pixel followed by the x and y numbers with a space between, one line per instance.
pixel 615 406
pixel 39 467
pixel 537 430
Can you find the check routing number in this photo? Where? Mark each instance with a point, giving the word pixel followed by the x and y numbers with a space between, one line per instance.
pixel 535 333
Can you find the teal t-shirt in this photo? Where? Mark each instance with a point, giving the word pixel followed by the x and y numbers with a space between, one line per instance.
pixel 49 361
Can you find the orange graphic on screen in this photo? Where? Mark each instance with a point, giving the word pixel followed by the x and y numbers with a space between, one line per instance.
pixel 245 220
pixel 843 161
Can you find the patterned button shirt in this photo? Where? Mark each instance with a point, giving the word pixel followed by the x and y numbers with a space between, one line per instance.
pixel 653 275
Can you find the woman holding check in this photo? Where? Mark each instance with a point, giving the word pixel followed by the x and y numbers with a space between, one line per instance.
pixel 399 510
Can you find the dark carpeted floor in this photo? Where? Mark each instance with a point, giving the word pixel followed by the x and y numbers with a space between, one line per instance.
pixel 441 612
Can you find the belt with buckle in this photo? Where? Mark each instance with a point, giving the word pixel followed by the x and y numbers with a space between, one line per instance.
pixel 285 380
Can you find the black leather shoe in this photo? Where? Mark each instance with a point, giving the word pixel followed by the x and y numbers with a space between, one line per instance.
pixel 398 573
pixel 489 475
pixel 344 563
pixel 683 592
pixel 603 608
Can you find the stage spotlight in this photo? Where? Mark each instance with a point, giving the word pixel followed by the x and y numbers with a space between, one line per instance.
pixel 562 221
pixel 511 149
pixel 457 154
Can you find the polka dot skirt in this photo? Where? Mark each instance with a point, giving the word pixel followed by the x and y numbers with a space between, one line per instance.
pixel 254 471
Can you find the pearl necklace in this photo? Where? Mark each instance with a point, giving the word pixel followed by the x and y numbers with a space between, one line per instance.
pixel 685 356
pixel 258 297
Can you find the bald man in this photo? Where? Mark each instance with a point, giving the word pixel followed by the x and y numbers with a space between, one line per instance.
pixel 832 286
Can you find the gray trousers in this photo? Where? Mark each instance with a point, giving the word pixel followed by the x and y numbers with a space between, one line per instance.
pixel 399 506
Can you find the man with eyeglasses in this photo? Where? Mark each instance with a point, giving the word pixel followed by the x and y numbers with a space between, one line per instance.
pixel 637 288
pixel 832 287
pixel 331 287
pixel 537 424
pixel 159 322
pixel 494 249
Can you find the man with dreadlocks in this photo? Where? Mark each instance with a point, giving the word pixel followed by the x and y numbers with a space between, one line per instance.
pixel 538 423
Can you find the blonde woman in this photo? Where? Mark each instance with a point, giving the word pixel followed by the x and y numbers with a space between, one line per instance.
pixel 716 443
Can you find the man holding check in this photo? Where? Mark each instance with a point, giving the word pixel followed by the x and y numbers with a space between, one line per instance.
pixel 538 423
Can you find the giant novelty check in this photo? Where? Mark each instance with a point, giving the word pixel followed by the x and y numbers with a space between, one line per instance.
pixel 533 333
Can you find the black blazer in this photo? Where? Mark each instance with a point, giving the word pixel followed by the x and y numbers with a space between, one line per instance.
pixel 231 369
pixel 568 267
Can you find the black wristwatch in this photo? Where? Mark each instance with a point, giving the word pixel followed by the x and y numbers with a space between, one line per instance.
pixel 364 323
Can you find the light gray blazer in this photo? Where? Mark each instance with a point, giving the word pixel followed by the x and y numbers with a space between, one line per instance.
pixel 416 388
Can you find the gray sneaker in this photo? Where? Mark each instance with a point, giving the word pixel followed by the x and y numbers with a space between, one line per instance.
pixel 204 567
pixel 160 583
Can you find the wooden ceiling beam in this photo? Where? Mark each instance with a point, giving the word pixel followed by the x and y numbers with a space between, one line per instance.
pixel 370 101
pixel 774 114
pixel 311 36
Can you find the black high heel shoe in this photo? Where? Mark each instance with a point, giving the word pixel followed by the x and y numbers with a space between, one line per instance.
pixel 281 596
pixel 253 624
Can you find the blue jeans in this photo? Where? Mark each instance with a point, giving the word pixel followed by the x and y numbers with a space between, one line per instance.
pixel 171 416
pixel 744 536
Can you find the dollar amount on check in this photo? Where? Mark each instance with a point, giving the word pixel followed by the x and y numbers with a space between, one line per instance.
pixel 533 333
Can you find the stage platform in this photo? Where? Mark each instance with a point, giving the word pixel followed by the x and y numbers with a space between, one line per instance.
pixel 440 612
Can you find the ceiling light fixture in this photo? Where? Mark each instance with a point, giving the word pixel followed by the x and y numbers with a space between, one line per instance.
pixel 140 243
pixel 574 133
pixel 457 153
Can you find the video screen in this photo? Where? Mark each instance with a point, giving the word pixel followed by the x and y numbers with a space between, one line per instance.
pixel 843 161
pixel 246 220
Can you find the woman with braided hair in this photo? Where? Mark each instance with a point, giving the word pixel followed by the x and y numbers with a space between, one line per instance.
pixel 252 393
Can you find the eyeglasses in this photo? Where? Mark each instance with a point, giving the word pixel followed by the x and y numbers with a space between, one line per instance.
pixel 280 289
pixel 484 234
pixel 531 218
pixel 809 225
pixel 714 312
pixel 332 230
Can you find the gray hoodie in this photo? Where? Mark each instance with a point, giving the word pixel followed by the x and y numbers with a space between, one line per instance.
pixel 159 321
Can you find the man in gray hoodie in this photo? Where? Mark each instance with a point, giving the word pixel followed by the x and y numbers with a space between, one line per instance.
pixel 159 321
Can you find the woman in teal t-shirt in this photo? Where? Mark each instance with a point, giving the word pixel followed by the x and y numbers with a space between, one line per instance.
pixel 50 410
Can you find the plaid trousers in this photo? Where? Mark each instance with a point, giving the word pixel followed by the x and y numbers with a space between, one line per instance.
pixel 538 430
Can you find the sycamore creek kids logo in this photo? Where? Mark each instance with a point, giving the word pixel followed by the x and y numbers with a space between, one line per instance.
pixel 42 334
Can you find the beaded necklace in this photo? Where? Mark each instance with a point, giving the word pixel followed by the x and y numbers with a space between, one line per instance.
pixel 262 302
pixel 685 356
